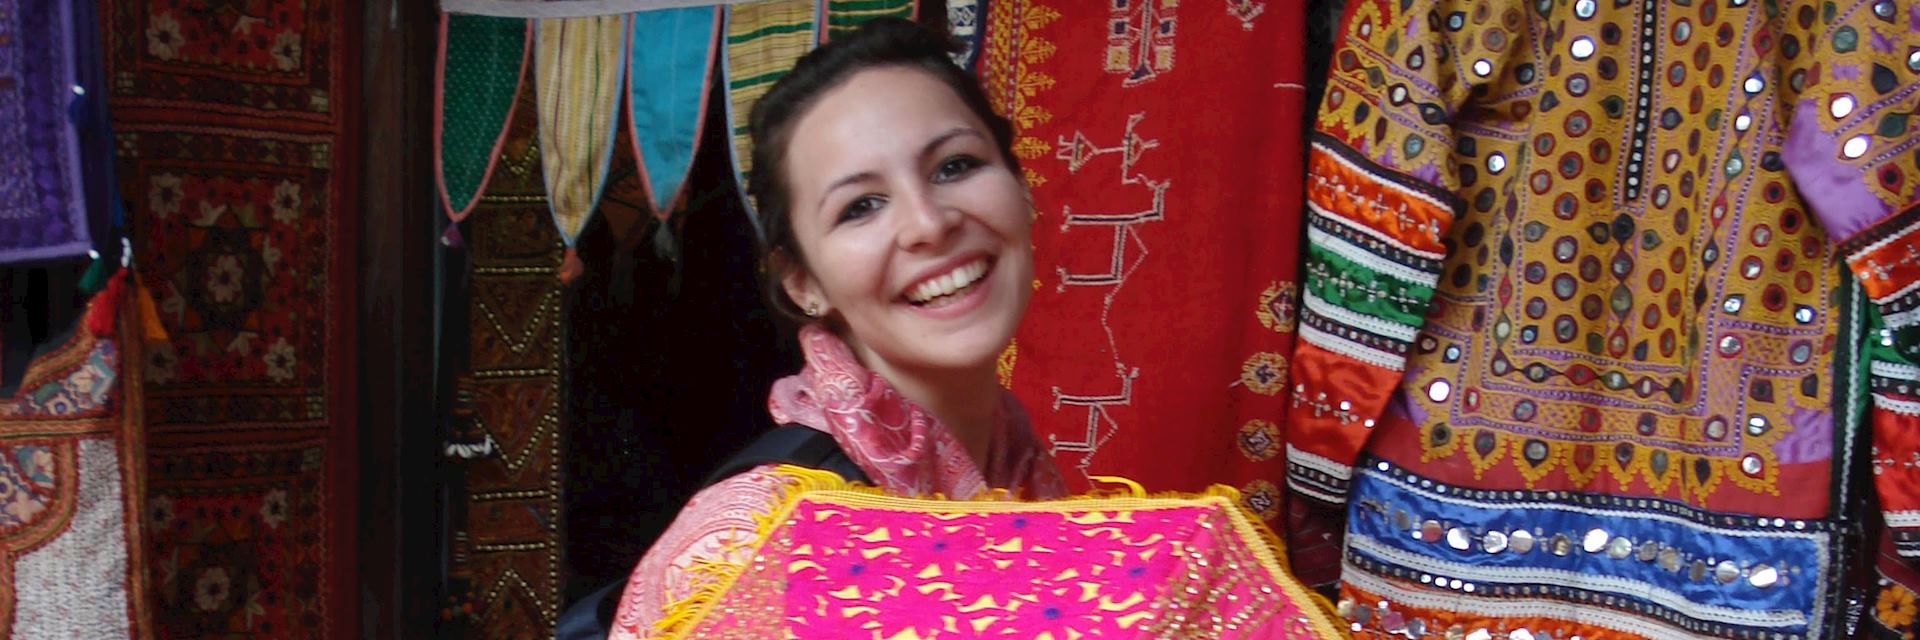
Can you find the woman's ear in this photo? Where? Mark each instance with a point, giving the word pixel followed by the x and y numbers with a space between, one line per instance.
pixel 801 287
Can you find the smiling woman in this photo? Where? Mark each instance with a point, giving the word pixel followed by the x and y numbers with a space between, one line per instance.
pixel 896 235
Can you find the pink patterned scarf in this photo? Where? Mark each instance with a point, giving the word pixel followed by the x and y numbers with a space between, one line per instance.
pixel 896 442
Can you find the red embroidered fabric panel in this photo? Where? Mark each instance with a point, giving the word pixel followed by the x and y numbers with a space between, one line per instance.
pixel 1162 145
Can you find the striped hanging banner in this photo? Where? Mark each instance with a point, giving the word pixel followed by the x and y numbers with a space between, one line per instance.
pixel 579 66
pixel 571 8
pixel 763 41
pixel 672 60
pixel 843 16
pixel 481 62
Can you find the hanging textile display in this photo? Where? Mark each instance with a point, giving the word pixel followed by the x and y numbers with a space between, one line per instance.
pixel 481 62
pixel 1582 336
pixel 579 66
pixel 672 59
pixel 572 8
pixel 842 562
pixel 1165 238
pixel 763 41
pixel 843 16
pixel 43 211
pixel 506 576
pixel 71 463
pixel 242 197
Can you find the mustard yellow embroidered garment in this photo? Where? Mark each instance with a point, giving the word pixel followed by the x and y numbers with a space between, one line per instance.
pixel 836 561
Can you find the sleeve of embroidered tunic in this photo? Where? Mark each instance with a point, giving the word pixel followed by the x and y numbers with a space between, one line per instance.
pixel 717 527
pixel 1381 186
pixel 1855 159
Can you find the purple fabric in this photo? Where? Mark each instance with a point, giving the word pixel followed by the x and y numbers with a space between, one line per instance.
pixel 1811 439
pixel 1836 191
pixel 42 213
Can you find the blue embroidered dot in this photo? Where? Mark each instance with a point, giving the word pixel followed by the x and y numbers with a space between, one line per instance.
pixel 1019 523
pixel 856 569
pixel 1137 572
pixel 1051 612
pixel 940 546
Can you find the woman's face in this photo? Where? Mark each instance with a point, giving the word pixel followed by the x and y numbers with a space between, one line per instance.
pixel 913 229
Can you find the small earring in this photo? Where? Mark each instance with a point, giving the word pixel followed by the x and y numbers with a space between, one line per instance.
pixel 813 309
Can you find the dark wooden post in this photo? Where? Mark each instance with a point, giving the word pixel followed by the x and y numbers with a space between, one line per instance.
pixel 400 549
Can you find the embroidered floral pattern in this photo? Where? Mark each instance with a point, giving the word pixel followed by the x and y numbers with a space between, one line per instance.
pixel 164 195
pixel 849 564
pixel 163 37
pixel 1895 608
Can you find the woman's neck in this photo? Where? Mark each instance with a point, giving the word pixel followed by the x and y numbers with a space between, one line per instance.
pixel 966 401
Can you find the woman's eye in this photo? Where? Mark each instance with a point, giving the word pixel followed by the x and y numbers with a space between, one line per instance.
pixel 955 167
pixel 860 208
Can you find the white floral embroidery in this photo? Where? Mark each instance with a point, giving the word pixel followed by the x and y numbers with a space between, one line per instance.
pixel 161 363
pixel 164 195
pixel 286 201
pixel 163 36
pixel 273 509
pixel 286 50
pixel 223 280
pixel 213 588
pixel 280 360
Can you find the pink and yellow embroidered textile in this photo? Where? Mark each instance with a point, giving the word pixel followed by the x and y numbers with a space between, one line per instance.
pixel 849 564
pixel 898 444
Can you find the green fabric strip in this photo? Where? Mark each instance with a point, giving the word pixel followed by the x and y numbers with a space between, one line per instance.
pixel 845 16
pixel 483 58
pixel 765 78
pixel 1354 287
pixel 768 31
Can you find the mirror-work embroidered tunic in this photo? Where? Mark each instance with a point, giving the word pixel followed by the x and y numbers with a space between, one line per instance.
pixel 1605 303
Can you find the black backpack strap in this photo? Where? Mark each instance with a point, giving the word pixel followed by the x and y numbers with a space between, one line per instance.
pixel 793 444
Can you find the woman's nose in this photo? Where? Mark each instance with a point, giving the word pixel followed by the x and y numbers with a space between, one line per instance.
pixel 925 221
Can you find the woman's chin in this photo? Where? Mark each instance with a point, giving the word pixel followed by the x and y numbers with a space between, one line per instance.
pixel 969 348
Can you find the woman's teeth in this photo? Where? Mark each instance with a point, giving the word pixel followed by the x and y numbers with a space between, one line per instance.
pixel 957 281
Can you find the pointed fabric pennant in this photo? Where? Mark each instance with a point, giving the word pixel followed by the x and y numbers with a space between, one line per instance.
pixel 763 42
pixel 482 60
pixel 579 64
pixel 668 71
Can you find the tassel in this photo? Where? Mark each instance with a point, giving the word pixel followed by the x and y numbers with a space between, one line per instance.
pixel 106 305
pixel 150 327
pixel 571 268
pixel 451 238
pixel 96 275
